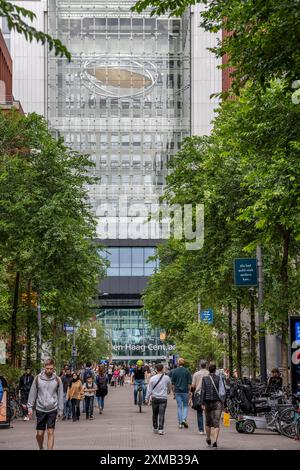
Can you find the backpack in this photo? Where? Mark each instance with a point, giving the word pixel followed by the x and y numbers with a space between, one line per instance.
pixel 88 373
pixel 101 385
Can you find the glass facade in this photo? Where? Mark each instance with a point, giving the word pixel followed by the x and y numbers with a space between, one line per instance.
pixel 124 99
pixel 131 261
pixel 131 335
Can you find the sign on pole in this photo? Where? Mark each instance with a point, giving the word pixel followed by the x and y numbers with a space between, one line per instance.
pixel 207 315
pixel 245 272
pixel 93 332
pixel 295 354
pixel 68 328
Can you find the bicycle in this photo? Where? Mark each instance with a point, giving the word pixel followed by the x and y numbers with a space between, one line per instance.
pixel 15 407
pixel 289 421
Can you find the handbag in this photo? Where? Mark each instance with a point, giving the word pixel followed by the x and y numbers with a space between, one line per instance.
pixel 196 401
pixel 221 392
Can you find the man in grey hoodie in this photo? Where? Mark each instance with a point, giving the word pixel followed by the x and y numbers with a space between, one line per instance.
pixel 47 396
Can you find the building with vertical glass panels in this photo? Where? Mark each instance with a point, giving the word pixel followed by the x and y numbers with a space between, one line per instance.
pixel 125 100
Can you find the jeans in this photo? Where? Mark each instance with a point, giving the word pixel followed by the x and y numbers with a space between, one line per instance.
pixel 182 406
pixel 200 420
pixel 136 385
pixel 100 401
pixel 67 407
pixel 75 409
pixel 89 406
pixel 159 406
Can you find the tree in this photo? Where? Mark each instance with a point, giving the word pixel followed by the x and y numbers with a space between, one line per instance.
pixel 17 16
pixel 259 47
pixel 200 341
pixel 46 228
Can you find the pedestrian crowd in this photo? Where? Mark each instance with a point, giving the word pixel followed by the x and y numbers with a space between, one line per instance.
pixel 65 395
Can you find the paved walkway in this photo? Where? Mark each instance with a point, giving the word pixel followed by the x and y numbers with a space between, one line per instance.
pixel 122 427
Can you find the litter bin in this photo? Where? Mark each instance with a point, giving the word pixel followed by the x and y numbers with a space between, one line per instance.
pixel 4 408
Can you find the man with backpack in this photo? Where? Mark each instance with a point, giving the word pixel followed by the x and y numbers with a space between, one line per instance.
pixel 47 397
pixel 102 388
pixel 87 372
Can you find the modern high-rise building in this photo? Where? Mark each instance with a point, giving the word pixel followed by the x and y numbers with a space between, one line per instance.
pixel 135 88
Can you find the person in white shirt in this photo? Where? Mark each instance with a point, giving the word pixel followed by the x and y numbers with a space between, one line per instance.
pixel 157 392
pixel 196 387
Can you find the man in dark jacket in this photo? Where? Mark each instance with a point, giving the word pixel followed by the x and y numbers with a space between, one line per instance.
pixel 212 403
pixel 24 386
pixel 66 380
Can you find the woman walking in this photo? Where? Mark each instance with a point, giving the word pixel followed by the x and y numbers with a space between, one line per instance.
pixel 102 389
pixel 75 393
pixel 90 389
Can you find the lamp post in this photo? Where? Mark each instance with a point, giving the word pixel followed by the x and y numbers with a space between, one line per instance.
pixel 261 319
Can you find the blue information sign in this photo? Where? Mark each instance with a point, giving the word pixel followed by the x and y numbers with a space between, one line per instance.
pixel 207 315
pixel 297 331
pixel 245 272
pixel 68 328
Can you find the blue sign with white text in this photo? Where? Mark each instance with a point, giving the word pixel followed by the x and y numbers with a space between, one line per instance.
pixel 207 315
pixel 245 272
pixel 297 331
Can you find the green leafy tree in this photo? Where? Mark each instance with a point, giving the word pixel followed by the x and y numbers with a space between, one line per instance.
pixel 46 229
pixel 17 19
pixel 264 39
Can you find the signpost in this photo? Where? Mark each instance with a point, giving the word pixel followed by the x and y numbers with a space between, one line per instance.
pixel 295 354
pixel 245 272
pixel 2 352
pixel 207 315
pixel 68 328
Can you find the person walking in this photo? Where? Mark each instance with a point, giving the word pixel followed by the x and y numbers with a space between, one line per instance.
pixel 89 388
pixel 109 372
pixel 75 394
pixel 88 370
pixel 47 397
pixel 181 382
pixel 196 389
pixel 66 380
pixel 102 388
pixel 25 383
pixel 212 396
pixel 157 392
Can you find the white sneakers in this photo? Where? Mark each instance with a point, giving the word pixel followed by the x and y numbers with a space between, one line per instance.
pixel 161 431
pixel 26 418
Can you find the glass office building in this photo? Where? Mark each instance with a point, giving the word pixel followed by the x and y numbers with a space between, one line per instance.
pixel 125 100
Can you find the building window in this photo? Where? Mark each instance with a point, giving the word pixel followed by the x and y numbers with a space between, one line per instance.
pixel 131 261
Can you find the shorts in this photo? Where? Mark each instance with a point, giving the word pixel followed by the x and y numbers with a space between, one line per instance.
pixel 213 411
pixel 45 420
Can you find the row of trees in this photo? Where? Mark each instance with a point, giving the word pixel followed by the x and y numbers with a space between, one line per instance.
pixel 246 173
pixel 47 252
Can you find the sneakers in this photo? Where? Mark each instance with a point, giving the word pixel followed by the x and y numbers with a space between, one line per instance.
pixel 161 432
pixel 155 431
pixel 100 411
pixel 180 426
pixel 185 424
pixel 208 442
pixel 91 417
pixel 215 445
pixel 201 433
pixel 26 418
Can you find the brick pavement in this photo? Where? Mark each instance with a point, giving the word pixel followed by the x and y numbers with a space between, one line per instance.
pixel 122 427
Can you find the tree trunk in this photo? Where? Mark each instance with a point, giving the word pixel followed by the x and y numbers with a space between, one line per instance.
pixel 238 339
pixel 252 338
pixel 28 325
pixel 13 336
pixel 230 350
pixel 284 325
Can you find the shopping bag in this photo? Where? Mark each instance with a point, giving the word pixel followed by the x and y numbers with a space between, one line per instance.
pixel 226 419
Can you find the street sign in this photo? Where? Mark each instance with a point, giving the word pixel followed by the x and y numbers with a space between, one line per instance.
pixel 68 328
pixel 74 351
pixel 93 332
pixel 207 315
pixel 245 272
